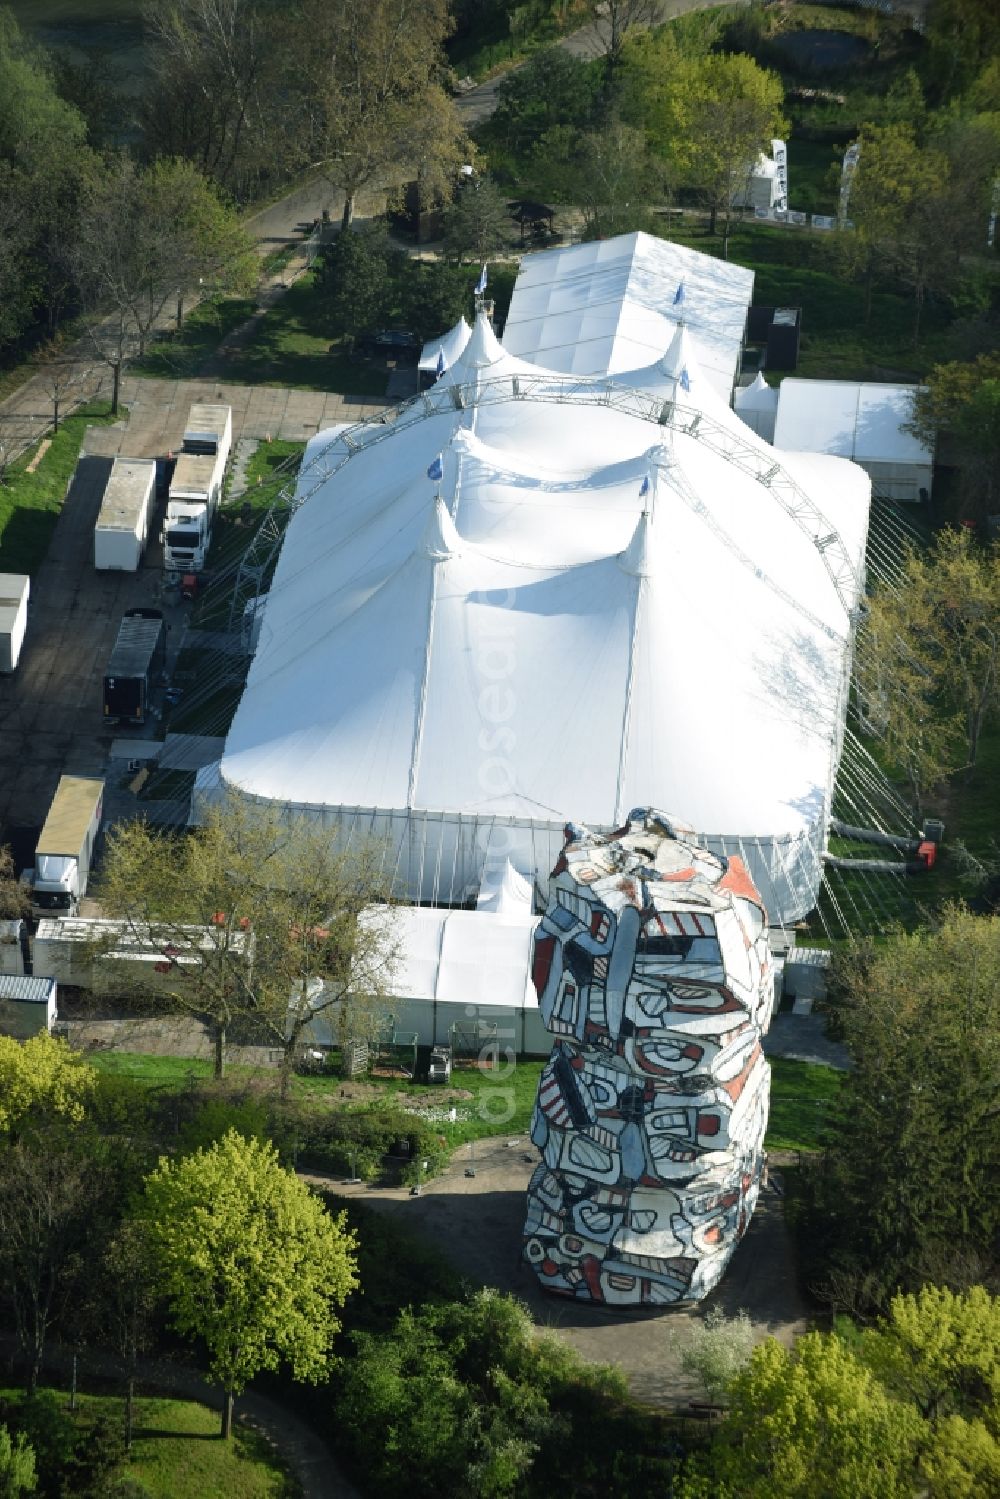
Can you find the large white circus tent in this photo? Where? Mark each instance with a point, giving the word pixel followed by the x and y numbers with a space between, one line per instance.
pixel 534 596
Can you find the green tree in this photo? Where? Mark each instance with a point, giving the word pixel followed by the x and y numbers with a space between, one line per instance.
pixel 54 1196
pixel 17 1466
pixel 929 657
pixel 905 1191
pixel 43 161
pixel 476 222
pixel 219 91
pixel 359 276
pixel 15 903
pixel 246 911
pixel 41 1082
pixel 960 402
pixel 145 237
pixel 709 118
pixel 718 1349
pixel 939 1349
pixel 810 1424
pixel 551 89
pixel 250 1262
pixel 371 96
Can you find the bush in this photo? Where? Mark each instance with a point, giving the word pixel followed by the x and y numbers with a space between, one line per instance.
pixel 357 1141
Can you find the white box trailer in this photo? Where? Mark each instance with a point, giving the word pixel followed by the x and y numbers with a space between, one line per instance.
pixel 65 846
pixel 14 590
pixel 123 524
pixel 68 949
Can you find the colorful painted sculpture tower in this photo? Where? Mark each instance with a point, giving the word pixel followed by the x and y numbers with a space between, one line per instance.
pixel 654 975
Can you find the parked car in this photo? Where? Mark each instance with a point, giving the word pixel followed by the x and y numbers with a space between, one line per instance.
pixel 389 343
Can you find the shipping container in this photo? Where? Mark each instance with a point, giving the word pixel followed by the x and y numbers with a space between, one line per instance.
pixel 123 524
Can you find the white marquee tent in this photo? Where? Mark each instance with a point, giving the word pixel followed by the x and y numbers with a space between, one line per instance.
pixel 609 306
pixel 615 595
pixel 757 405
pixel 863 422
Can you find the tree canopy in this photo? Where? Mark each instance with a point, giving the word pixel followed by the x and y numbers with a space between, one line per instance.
pixel 249 1261
pixel 905 1190
pixel 371 96
pixel 42 1079
pixel 246 910
pixel 928 661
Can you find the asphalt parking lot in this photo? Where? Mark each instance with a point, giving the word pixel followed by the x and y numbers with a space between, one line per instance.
pixel 50 708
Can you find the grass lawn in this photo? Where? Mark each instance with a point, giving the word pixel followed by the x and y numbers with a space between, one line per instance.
pixel 802 1095
pixel 179 355
pixel 797 268
pixel 292 347
pixel 501 1103
pixel 30 503
pixel 177 1452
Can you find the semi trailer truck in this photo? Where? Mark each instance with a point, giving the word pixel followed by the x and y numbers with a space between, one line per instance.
pixel 196 488
pixel 65 847
pixel 135 666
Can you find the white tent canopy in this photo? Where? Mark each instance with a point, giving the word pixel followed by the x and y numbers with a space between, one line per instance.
pixel 861 421
pixel 458 968
pixel 757 405
pixel 608 306
pixel 450 344
pixel 589 611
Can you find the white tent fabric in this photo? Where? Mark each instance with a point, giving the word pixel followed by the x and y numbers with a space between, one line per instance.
pixel 588 612
pixel 450 344
pixel 505 892
pixel 757 405
pixel 608 306
pixel 860 421
pixel 457 967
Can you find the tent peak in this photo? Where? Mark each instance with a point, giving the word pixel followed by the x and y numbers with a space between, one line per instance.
pixel 636 558
pixel 483 348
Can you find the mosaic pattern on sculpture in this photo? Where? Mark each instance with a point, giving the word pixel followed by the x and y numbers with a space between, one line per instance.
pixel 654 975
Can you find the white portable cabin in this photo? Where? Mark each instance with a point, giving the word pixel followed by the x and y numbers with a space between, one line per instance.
pixel 14 590
pixel 863 422
pixel 27 1005
pixel 123 524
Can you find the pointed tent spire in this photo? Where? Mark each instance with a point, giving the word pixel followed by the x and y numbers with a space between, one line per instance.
pixel 637 556
pixel 680 358
pixel 440 539
pixel 482 350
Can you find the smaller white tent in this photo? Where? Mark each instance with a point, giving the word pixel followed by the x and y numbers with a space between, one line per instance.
pixel 763 186
pixel 757 406
pixel 451 345
pixel 463 974
pixel 863 422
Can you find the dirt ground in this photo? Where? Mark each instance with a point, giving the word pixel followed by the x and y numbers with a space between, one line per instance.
pixel 477 1221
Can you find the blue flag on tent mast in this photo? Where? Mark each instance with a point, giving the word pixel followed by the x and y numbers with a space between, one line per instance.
pixel 436 470
pixel 679 294
pixel 481 283
pixel 644 491
pixel 685 379
pixel 442 364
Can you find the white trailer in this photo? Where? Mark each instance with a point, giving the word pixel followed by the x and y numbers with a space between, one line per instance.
pixel 123 524
pixel 196 488
pixel 74 951
pixel 14 590
pixel 66 846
